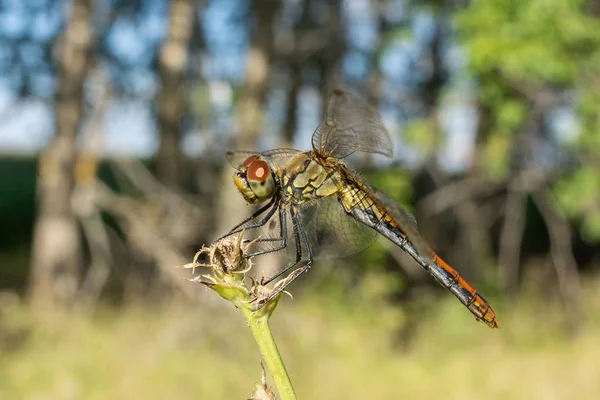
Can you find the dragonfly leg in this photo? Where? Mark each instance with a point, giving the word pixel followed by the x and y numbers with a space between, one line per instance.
pixel 304 237
pixel 297 272
pixel 240 227
pixel 293 263
pixel 282 238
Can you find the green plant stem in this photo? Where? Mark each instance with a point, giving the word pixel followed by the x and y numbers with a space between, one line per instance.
pixel 259 325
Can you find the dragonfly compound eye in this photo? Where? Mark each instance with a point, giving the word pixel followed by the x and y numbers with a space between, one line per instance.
pixel 258 171
pixel 260 178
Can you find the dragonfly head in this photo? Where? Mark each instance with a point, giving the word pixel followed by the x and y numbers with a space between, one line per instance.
pixel 254 179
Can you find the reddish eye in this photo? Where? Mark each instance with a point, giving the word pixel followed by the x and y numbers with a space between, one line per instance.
pixel 258 170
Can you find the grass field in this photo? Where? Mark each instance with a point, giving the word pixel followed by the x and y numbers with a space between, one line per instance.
pixel 333 350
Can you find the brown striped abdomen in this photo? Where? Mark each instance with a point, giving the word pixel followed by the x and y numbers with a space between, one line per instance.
pixel 382 214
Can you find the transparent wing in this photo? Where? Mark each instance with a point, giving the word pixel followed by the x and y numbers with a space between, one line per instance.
pixel 237 158
pixel 277 157
pixel 330 231
pixel 351 125
pixel 402 217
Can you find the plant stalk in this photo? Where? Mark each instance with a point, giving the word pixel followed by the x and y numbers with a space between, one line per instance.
pixel 259 325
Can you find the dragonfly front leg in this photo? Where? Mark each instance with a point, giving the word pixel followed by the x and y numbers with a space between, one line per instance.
pixel 282 237
pixel 296 273
pixel 240 227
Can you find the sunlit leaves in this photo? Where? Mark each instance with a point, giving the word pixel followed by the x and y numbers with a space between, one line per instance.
pixel 421 133
pixel 495 155
pixel 394 182
pixel 538 39
pixel 510 114
pixel 591 227
pixel 518 49
pixel 579 197
pixel 578 191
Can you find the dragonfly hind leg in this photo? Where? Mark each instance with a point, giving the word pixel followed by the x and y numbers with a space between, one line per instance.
pixel 299 235
pixel 291 265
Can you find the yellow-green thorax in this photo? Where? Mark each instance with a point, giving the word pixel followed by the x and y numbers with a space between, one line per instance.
pixel 306 177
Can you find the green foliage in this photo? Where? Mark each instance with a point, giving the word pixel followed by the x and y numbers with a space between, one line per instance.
pixel 519 49
pixel 540 40
pixel 577 195
pixel 510 115
pixel 495 155
pixel 396 183
pixel 421 133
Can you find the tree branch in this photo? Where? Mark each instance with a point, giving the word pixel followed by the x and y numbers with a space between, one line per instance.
pixel 511 238
pixel 561 251
pixel 455 193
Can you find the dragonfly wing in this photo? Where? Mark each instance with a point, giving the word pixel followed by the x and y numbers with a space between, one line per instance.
pixel 406 221
pixel 331 232
pixel 237 158
pixel 277 157
pixel 351 125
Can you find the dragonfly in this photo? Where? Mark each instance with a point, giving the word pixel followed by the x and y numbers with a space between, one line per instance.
pixel 317 203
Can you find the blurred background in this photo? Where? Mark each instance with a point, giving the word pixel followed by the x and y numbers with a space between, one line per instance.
pixel 114 119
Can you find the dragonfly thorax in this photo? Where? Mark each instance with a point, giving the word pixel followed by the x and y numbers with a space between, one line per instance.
pixel 254 179
pixel 306 178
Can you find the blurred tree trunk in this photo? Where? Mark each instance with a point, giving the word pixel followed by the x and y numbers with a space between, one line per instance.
pixel 296 57
pixel 291 112
pixel 330 57
pixel 56 250
pixel 475 243
pixel 174 54
pixel 251 107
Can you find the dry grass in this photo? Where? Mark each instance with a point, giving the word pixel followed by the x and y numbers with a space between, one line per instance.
pixel 333 350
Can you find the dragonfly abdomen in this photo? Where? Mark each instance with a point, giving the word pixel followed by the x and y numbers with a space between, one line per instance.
pixel 372 215
pixel 466 293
